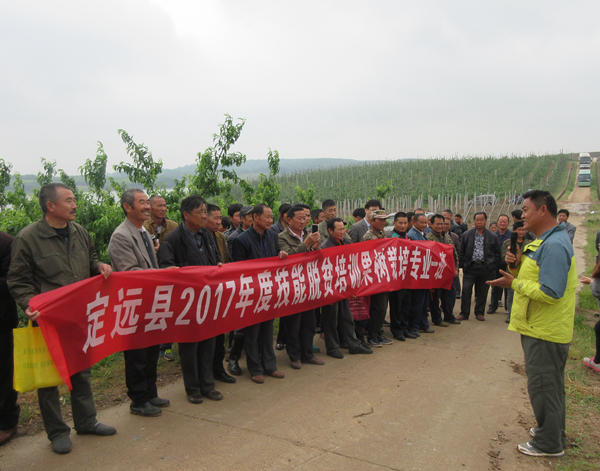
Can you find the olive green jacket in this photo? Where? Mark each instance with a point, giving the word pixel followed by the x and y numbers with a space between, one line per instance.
pixel 443 238
pixel 371 234
pixel 290 244
pixel 41 261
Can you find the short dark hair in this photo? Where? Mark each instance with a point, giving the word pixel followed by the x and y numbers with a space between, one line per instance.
pixel 416 217
pixel 436 216
pixel 128 197
pixel 291 212
pixel 400 214
pixel 327 204
pixel 517 213
pixel 419 209
pixel 210 208
pixel 304 206
pixel 478 213
pixel 502 215
pixel 372 203
pixel 446 211
pixel 458 215
pixel 542 197
pixel 234 208
pixel 189 203
pixel 284 208
pixel 518 224
pixel 314 214
pixel 359 213
pixel 225 222
pixel 258 209
pixel 49 192
pixel 410 215
pixel 564 211
pixel 331 223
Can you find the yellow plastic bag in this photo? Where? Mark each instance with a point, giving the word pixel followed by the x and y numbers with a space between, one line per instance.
pixel 34 367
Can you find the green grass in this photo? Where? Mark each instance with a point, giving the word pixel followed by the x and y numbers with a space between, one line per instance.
pixel 582 385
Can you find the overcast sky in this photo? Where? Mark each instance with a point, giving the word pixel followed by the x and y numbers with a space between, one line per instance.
pixel 359 79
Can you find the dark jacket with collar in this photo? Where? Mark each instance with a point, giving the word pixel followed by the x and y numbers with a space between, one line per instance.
pixel 491 250
pixel 41 261
pixel 180 250
pixel 8 309
pixel 331 242
pixel 250 245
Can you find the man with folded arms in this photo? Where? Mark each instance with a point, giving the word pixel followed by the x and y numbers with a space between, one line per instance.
pixel 130 248
pixel 300 327
pixel 259 242
pixel 339 313
pixel 379 302
pixel 191 245
pixel 445 296
pixel 48 254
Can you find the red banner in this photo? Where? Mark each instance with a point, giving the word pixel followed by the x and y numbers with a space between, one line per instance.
pixel 86 321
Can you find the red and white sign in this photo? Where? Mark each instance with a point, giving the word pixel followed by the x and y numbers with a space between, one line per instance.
pixel 85 322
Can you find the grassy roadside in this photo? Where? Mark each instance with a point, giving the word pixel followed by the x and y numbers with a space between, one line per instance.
pixel 582 384
pixel 108 384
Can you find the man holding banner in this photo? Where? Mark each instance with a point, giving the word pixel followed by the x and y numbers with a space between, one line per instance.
pixel 130 249
pixel 48 254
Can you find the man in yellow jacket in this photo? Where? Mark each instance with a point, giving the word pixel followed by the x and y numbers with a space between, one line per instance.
pixel 544 279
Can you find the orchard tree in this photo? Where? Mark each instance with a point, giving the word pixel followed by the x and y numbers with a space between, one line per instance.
pixel 307 196
pixel 267 190
pixel 144 170
pixel 215 174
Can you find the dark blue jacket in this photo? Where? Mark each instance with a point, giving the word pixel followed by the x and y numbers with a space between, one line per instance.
pixel 250 244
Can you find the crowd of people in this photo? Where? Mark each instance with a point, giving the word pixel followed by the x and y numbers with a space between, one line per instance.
pixel 56 251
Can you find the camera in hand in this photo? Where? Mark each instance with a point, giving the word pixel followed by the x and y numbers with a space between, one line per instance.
pixel 315 228
pixel 513 247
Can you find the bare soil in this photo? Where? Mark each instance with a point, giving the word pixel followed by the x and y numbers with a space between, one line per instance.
pixel 453 400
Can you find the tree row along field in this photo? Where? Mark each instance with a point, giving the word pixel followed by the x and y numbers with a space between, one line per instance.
pixel 433 177
pixel 431 183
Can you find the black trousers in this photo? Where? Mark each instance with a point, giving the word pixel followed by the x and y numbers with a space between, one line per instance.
pixel 475 276
pixel 197 362
pixel 418 307
pixel 399 311
pixel 219 355
pixel 447 299
pixel 333 315
pixel 377 311
pixel 9 409
pixel 237 344
pixel 299 334
pixel 140 373
pixel 258 343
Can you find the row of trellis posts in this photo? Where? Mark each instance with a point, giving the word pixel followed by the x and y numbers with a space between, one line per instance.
pixel 466 205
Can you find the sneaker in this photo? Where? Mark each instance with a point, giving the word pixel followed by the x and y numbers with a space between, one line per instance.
pixel 279 346
pixel 528 449
pixel 168 355
pixel 375 343
pixel 532 431
pixel 384 340
pixel 590 363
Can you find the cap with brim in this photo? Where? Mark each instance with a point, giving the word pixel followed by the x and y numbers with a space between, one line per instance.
pixel 246 210
pixel 379 214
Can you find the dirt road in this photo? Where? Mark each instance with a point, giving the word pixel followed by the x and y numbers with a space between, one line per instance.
pixel 452 400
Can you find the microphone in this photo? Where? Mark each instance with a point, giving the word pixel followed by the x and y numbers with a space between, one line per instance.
pixel 513 246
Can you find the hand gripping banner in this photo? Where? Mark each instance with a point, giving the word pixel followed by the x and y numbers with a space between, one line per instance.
pixel 86 321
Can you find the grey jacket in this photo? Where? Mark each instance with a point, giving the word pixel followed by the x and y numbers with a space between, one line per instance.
pixel 358 230
pixel 127 250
